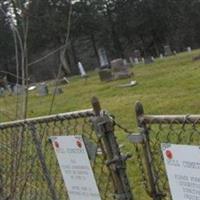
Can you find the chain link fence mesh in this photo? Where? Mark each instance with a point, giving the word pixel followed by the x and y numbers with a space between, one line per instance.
pixel 146 169
pixel 29 169
pixel 155 130
pixel 174 132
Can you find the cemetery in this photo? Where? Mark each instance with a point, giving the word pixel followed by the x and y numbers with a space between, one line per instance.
pixel 172 79
pixel 179 71
pixel 99 100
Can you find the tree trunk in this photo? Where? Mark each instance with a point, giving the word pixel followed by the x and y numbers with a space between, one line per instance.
pixel 115 37
pixel 92 36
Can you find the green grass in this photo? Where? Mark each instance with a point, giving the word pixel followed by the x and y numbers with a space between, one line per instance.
pixel 168 86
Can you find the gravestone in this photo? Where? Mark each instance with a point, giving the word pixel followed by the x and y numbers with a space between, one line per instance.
pixel 135 57
pixel 119 70
pixel 104 63
pixel 18 89
pixel 137 54
pixel 148 60
pixel 136 61
pixel 189 49
pixel 82 70
pixel 161 56
pixel 125 62
pixel 43 89
pixel 131 60
pixel 142 60
pixel 2 91
pixel 167 50
pixel 105 75
pixel 57 91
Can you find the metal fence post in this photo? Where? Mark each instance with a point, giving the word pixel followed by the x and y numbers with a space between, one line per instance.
pixel 154 190
pixel 104 128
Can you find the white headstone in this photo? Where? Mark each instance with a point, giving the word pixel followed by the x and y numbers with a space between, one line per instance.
pixel 131 60
pixel 152 58
pixel 125 62
pixel 161 56
pixel 2 91
pixel 182 163
pixel 142 60
pixel 75 167
pixel 136 60
pixel 81 69
pixel 189 49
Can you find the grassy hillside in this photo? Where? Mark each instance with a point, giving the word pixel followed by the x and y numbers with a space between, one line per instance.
pixel 168 86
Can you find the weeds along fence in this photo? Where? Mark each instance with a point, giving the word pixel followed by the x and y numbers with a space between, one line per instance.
pixel 29 169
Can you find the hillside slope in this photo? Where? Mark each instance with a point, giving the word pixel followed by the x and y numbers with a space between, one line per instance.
pixel 168 86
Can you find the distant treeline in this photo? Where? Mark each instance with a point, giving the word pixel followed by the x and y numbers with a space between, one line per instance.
pixel 120 26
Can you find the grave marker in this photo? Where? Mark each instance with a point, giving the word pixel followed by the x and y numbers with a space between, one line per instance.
pixel 167 50
pixel 104 63
pixel 119 70
pixel 189 49
pixel 18 89
pixel 105 75
pixel 43 89
pixel 137 54
pixel 81 69
pixel 131 60
pixel 136 61
pixel 148 60
pixel 2 91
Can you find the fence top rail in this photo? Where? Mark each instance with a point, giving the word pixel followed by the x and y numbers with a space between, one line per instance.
pixel 169 119
pixel 49 118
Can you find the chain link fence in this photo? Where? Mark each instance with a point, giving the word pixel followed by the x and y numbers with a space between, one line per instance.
pixel 154 130
pixel 29 169
pixel 124 163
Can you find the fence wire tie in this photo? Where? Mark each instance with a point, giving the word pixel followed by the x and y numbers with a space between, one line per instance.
pixel 119 161
pixel 186 119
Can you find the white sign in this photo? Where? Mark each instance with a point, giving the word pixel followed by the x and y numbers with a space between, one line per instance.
pixel 182 163
pixel 75 167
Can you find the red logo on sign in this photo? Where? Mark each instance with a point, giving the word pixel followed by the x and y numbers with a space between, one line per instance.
pixel 169 154
pixel 56 144
pixel 78 143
